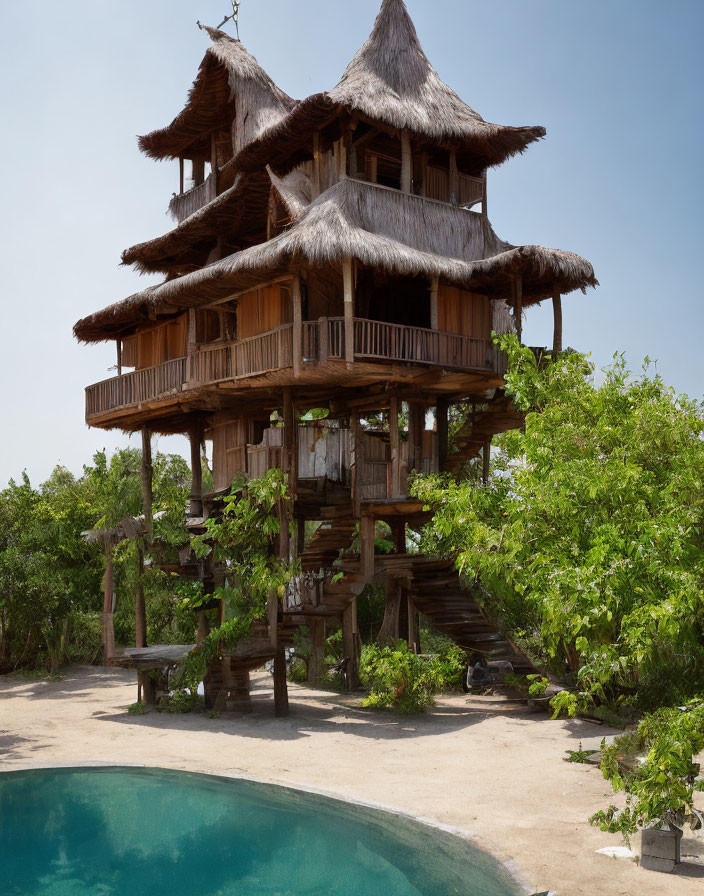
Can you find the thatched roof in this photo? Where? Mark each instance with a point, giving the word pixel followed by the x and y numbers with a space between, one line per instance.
pixel 230 87
pixel 378 227
pixel 232 214
pixel 391 81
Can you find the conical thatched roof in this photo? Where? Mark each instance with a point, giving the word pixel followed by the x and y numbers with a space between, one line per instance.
pixel 230 85
pixel 379 227
pixel 391 81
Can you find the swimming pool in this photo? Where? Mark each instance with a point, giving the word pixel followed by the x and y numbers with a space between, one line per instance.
pixel 133 831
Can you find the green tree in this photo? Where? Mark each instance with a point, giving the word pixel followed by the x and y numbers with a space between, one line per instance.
pixel 589 535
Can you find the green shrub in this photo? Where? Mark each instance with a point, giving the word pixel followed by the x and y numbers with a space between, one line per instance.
pixel 398 679
pixel 138 709
pixel 180 701
pixel 654 766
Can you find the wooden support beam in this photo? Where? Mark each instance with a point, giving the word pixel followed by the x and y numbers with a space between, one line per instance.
pixel 395 443
pixel 518 306
pixel 341 159
pixel 557 317
pixel 366 549
pixel 413 633
pixel 406 163
pixel 146 476
pixel 351 644
pixel 118 343
pixel 297 327
pixel 280 685
pixel 348 279
pixel 398 531
pixel 389 630
pixel 181 175
pixel 485 204
pixel 196 503
pixel 434 288
pixel 486 461
pixel 108 607
pixel 441 412
pixel 316 664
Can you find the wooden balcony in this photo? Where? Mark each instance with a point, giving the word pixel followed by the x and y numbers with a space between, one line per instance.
pixel 186 204
pixel 321 341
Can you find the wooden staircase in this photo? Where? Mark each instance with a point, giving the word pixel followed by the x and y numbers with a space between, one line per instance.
pixel 330 538
pixel 437 593
pixel 499 416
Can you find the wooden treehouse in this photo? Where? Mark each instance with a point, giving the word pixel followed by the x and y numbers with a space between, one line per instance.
pixel 334 253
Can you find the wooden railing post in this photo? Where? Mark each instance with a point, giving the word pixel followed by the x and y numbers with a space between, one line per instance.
pixel 348 278
pixel 323 339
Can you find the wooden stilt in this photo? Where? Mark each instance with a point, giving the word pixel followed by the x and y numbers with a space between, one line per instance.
pixel 146 483
pixel 395 441
pixel 398 529
pixel 196 503
pixel 389 630
pixel 280 685
pixel 350 644
pixel 557 316
pixel 316 665
pixel 366 541
pixel 518 306
pixel 441 412
pixel 486 461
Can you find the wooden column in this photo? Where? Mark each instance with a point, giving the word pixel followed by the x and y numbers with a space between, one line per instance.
pixel 108 601
pixel 434 288
pixel 280 686
pixel 297 327
pixel 486 461
pixel 366 550
pixel 389 630
pixel 454 177
pixel 395 442
pixel 351 644
pixel 196 438
pixel 557 317
pixel 146 484
pixel 441 412
pixel 198 171
pixel 413 639
pixel 518 306
pixel 406 163
pixel 485 204
pixel 348 279
pixel 119 356
pixel 316 665
pixel 342 159
pixel 190 343
pixel 181 175
pixel 398 532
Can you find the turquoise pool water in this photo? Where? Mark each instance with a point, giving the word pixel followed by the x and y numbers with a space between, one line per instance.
pixel 128 832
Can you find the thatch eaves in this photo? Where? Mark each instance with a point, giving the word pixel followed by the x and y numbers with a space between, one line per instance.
pixel 390 80
pixel 231 87
pixel 378 227
pixel 242 206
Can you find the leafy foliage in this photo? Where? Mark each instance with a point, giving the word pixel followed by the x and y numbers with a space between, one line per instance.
pixel 589 535
pixel 655 768
pixel 243 537
pixel 398 679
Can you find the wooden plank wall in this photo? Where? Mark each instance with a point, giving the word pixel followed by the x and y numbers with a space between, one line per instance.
pixel 263 309
pixel 229 452
pixel 463 312
pixel 159 343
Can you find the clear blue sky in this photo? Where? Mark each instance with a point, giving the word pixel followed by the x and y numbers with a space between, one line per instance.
pixel 617 84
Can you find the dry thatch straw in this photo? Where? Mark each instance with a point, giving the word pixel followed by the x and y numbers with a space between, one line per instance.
pixel 186 247
pixel 379 227
pixel 391 81
pixel 227 72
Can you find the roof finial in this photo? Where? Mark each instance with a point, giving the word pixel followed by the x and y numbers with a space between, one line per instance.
pixel 234 17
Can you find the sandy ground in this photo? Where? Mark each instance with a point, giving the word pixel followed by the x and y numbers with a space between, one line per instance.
pixel 485 765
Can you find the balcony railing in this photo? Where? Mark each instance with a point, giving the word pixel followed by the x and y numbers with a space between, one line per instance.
pixel 321 341
pixel 183 206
